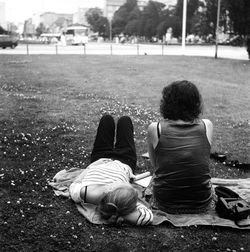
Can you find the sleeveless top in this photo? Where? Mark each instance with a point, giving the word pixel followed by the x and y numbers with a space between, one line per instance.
pixel 182 177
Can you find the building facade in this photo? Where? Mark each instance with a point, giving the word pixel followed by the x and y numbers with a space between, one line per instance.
pixel 111 6
pixel 28 28
pixel 55 22
pixel 36 19
pixel 50 18
pixel 79 16
pixel 3 22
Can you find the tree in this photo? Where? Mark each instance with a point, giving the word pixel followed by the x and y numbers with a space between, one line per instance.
pixel 97 21
pixel 151 18
pixel 208 18
pixel 126 18
pixel 167 20
pixel 193 7
pixel 40 29
pixel 133 23
pixel 239 14
pixel 119 20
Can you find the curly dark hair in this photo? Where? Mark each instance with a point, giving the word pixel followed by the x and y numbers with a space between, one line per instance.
pixel 181 100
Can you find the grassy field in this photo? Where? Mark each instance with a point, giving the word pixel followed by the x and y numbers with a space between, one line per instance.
pixel 49 110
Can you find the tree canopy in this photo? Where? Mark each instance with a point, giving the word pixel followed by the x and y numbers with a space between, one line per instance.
pixel 155 18
pixel 97 21
pixel 40 29
pixel 126 18
pixel 239 14
pixel 151 18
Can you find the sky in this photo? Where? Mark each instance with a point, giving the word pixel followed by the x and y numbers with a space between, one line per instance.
pixel 20 10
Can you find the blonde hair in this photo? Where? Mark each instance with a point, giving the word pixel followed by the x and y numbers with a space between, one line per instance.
pixel 119 202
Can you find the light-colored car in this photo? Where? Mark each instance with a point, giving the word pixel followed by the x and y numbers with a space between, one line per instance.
pixel 8 41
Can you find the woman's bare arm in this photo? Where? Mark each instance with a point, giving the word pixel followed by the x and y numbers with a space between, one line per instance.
pixel 141 216
pixel 209 130
pixel 152 140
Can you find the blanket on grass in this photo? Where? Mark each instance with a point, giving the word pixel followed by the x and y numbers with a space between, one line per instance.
pixel 64 178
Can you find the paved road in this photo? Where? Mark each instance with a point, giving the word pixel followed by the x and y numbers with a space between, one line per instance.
pixel 130 49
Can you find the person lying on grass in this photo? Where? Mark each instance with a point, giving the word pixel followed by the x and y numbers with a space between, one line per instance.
pixel 106 181
pixel 179 150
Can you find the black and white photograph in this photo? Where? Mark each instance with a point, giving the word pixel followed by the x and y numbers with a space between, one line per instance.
pixel 125 125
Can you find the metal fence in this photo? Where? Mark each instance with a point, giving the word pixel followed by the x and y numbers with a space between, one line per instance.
pixel 101 49
pixel 130 49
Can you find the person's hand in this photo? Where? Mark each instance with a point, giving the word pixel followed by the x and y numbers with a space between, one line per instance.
pixel 147 194
pixel 114 219
pixel 119 220
pixel 132 178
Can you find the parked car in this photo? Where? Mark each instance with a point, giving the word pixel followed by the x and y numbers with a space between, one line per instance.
pixel 8 41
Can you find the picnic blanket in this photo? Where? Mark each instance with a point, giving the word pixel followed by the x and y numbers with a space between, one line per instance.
pixel 64 178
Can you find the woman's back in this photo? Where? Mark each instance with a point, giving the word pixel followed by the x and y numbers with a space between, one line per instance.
pixel 182 179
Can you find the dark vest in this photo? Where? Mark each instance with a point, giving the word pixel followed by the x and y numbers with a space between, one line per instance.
pixel 182 177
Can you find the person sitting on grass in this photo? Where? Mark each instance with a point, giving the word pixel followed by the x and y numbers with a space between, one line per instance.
pixel 179 150
pixel 106 181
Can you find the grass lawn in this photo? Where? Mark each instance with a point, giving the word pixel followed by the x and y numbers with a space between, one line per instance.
pixel 49 110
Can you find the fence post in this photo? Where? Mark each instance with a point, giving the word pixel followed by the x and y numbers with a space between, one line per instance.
pixel 162 49
pixel 56 50
pixel 84 49
pixel 27 49
pixel 137 49
pixel 111 51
